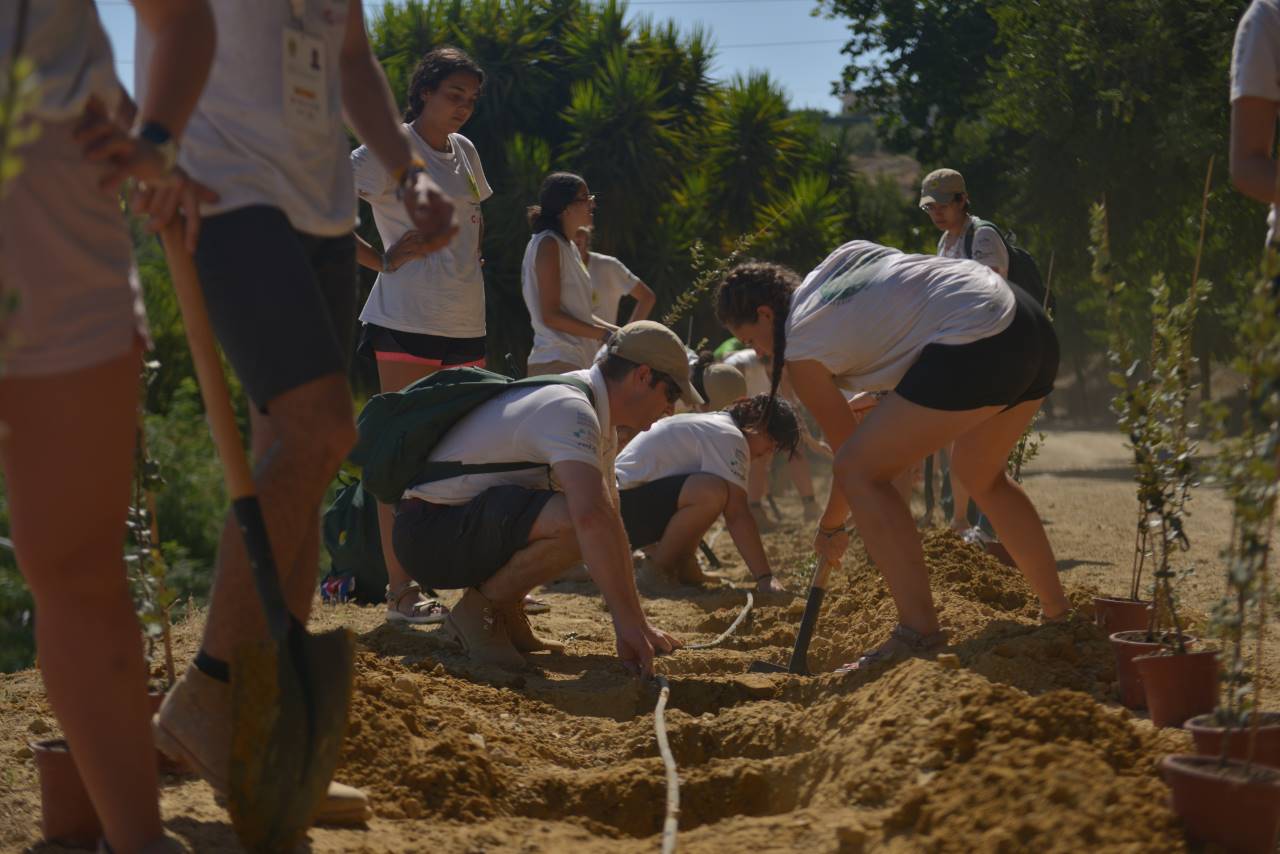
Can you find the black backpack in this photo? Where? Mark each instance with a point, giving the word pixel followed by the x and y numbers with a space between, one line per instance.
pixel 1023 270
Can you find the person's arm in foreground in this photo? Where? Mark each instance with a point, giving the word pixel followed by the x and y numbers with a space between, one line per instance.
pixel 184 36
pixel 1253 171
pixel 371 111
pixel 746 536
pixel 603 544
pixel 818 392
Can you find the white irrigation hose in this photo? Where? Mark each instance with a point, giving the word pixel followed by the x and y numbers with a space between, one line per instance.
pixel 671 824
pixel 732 626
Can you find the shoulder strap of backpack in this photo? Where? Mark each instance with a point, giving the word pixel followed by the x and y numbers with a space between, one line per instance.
pixel 446 469
pixel 975 224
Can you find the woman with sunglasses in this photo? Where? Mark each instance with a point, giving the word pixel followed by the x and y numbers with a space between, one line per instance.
pixel 960 355
pixel 556 284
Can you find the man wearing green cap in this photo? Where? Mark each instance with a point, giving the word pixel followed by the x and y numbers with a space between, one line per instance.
pixel 499 535
pixel 944 199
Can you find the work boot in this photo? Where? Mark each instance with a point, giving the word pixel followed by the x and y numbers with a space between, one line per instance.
pixel 194 726
pixel 521 632
pixel 478 625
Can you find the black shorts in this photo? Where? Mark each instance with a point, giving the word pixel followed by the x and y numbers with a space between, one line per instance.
pixel 281 302
pixel 1011 367
pixel 383 344
pixel 450 547
pixel 647 508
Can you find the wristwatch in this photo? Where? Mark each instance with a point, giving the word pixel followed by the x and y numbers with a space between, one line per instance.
pixel 158 135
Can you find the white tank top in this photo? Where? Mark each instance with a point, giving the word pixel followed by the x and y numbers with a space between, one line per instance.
pixel 551 345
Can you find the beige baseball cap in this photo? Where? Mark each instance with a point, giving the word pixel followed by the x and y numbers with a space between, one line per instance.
pixel 940 186
pixel 648 343
pixel 724 385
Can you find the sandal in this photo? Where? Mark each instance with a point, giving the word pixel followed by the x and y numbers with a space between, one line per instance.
pixel 903 642
pixel 424 611
pixel 535 606
pixel 1065 617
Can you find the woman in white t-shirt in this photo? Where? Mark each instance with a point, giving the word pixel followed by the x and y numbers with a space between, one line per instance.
pixel 426 309
pixel 679 476
pixel 961 356
pixel 555 282
pixel 1255 103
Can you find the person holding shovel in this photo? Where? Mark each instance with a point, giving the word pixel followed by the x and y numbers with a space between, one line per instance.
pixel 426 309
pixel 921 328
pixel 1255 103
pixel 72 344
pixel 677 478
pixel 276 260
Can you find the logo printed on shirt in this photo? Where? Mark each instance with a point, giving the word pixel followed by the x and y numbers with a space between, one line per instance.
pixel 854 274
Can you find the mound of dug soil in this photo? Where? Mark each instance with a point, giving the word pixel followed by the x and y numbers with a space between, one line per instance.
pixel 1009 742
pixel 1006 744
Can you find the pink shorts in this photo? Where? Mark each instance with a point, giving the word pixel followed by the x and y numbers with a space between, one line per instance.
pixel 71 293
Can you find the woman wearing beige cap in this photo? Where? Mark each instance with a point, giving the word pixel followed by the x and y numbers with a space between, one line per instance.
pixel 959 355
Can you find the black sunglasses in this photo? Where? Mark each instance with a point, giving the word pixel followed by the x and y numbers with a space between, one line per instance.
pixel 672 388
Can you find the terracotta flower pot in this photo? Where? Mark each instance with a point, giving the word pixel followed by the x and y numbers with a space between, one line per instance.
pixel 67 816
pixel 1178 687
pixel 1223 805
pixel 1127 646
pixel 1208 736
pixel 1121 615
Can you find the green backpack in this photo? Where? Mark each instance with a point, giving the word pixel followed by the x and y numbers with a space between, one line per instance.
pixel 351 536
pixel 398 430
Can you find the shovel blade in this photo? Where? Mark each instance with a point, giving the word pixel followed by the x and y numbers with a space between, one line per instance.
pixel 288 718
pixel 766 667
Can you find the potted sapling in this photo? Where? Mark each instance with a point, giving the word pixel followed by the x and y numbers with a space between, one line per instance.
pixel 1155 667
pixel 1131 612
pixel 1230 794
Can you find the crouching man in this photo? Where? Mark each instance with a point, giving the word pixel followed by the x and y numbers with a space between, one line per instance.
pixel 679 477
pixel 499 534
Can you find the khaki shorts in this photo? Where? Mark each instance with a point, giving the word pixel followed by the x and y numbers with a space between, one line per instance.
pixel 66 259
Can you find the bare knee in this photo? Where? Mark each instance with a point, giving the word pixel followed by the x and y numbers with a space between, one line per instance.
pixel 83 569
pixel 705 490
pixel 314 421
pixel 857 473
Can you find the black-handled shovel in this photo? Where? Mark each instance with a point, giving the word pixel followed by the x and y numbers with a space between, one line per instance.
pixel 289 694
pixel 799 664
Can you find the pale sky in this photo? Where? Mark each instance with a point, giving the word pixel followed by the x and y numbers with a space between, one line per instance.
pixel 779 36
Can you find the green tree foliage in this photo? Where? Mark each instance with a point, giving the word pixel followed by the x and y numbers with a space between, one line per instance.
pixel 1050 107
pixel 674 157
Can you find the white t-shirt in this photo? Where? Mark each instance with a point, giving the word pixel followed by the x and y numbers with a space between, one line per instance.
pixel 610 282
pixel 242 140
pixel 988 248
pixel 550 424
pixel 551 345
pixel 70 54
pixel 706 442
pixel 867 311
pixel 752 369
pixel 443 293
pixel 1255 63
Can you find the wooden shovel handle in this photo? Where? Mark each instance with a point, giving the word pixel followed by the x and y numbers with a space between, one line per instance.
pixel 204 352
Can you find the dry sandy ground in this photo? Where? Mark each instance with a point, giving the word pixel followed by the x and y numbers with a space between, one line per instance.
pixel 1012 745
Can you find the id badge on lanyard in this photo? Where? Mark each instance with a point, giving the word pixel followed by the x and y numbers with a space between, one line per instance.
pixel 306 93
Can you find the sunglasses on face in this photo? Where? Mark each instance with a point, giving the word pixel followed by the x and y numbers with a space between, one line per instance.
pixel 670 388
